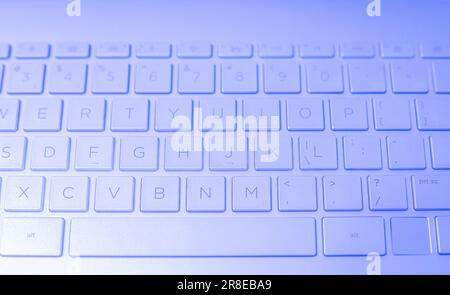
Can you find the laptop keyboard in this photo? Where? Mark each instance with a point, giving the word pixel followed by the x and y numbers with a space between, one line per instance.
pixel 359 163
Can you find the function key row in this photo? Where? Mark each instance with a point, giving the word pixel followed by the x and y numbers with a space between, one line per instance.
pixel 225 50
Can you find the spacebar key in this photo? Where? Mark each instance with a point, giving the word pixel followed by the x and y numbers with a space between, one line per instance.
pixel 193 237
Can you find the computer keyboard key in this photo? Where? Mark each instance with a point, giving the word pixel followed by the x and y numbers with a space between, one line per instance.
pixel 239 77
pixel 305 114
pixel 235 50
pixel 387 192
pixel 431 192
pixel 24 193
pixel 276 50
pixel 114 194
pixel 405 152
pixel 72 50
pixel 67 78
pixel 173 114
pixel 69 194
pixel 26 78
pixel 196 77
pixel 261 114
pixel 324 78
pixel 94 153
pixel 197 49
pixel 42 114
pixel 362 152
pixel 349 236
pixel 130 114
pixel 50 153
pixel 180 157
pixel 9 114
pixel 441 72
pixel 27 50
pixel 12 153
pixel 409 77
pixel 205 194
pixel 153 77
pixel 215 115
pixel 200 236
pixel 276 156
pixel 391 114
pixel 342 193
pixel 367 77
pixel 251 194
pixel 348 114
pixel 139 153
pixel 397 50
pixel 410 236
pixel 318 152
pixel 443 234
pixel 1 77
pixel 432 114
pixel 160 194
pixel 112 50
pixel 32 237
pixel 316 50
pixel 153 50
pixel 282 77
pixel 233 159
pixel 437 50
pixel 86 114
pixel 110 78
pixel 357 50
pixel 440 157
pixel 297 193
pixel 5 50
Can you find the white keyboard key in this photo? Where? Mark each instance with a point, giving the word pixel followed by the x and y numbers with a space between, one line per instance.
pixel 252 193
pixel 304 114
pixel 32 237
pixel 108 78
pixel 316 50
pixel 229 160
pixel 214 114
pixel 409 77
pixel 94 153
pixel 130 114
pixel 12 153
pixel 397 50
pixel 50 153
pixel 239 77
pixel 114 194
pixel 318 152
pixel 86 115
pixel 324 78
pixel 160 194
pixel 194 50
pixel 235 50
pixel 5 50
pixel 440 147
pixel 196 77
pixel 441 72
pixel 277 156
pixel 362 152
pixel 443 233
pixel 367 78
pixel 69 194
pixel 153 50
pixel 439 50
pixel 432 114
pixel 405 152
pixel 179 158
pixel 431 192
pixel 9 114
pixel 404 230
pixel 26 78
pixel 42 114
pixel 265 112
pixel 139 153
pixel 173 114
pixel 112 50
pixel 153 77
pixel 282 77
pixel 32 50
pixel 343 236
pixel 387 193
pixel 348 114
pixel 297 193
pixel 24 193
pixel 67 78
pixel 1 77
pixel 200 236
pixel 72 50
pixel 205 194
pixel 342 193
pixel 391 114
pixel 357 50
pixel 276 50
